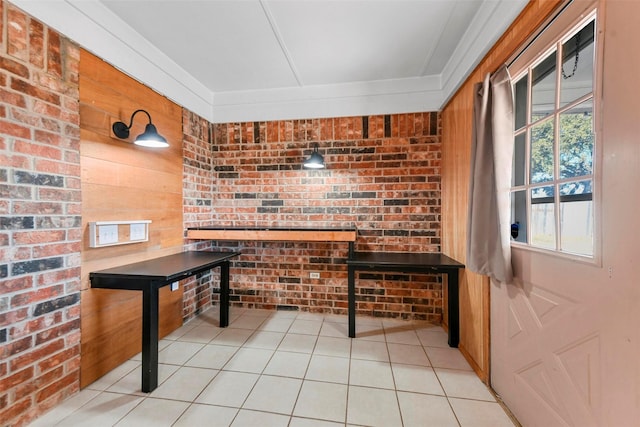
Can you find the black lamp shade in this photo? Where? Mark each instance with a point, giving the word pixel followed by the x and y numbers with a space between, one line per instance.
pixel 315 161
pixel 151 138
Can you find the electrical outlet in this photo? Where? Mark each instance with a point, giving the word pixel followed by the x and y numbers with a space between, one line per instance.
pixel 314 275
pixel 137 231
pixel 108 234
pixel 174 286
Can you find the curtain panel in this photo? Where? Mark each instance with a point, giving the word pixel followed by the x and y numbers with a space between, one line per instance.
pixel 488 221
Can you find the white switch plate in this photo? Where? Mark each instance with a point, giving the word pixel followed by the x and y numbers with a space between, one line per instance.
pixel 314 275
pixel 174 286
pixel 107 234
pixel 138 231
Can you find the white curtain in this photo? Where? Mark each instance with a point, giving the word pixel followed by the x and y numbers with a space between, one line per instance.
pixel 488 222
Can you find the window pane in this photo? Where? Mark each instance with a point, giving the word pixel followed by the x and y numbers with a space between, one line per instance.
pixel 519 216
pixel 543 90
pixel 519 155
pixel 577 66
pixel 576 218
pixel 521 99
pixel 543 223
pixel 576 141
pixel 542 148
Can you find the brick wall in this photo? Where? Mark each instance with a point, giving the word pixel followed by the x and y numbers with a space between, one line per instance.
pixel 383 176
pixel 197 193
pixel 40 226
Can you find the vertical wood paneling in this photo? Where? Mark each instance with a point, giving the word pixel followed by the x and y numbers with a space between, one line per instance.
pixel 121 181
pixel 456 158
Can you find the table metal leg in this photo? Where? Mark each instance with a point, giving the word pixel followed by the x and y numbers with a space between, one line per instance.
pixel 351 285
pixel 224 294
pixel 149 338
pixel 453 306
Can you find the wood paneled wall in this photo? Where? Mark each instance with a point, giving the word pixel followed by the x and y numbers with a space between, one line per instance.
pixel 121 181
pixel 456 158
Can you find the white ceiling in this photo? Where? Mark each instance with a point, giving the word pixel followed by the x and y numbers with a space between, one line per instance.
pixel 247 60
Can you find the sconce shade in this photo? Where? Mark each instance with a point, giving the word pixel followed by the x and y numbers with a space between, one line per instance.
pixel 149 138
pixel 315 160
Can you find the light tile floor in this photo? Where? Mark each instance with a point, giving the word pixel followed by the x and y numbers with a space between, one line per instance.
pixel 275 368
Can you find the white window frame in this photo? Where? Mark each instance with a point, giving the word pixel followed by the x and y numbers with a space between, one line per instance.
pixel 558 30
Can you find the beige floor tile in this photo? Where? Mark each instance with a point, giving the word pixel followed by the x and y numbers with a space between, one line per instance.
pixel 408 354
pixel 402 335
pixel 369 373
pixel 276 324
pixel 249 360
pixel 64 409
pixel 308 422
pixel 247 322
pixel 174 335
pixel 370 332
pixel 419 410
pixel 373 407
pixel 476 413
pixel 328 368
pixel 464 384
pixel 154 413
pixel 324 401
pixel 334 329
pixel 305 315
pixel 288 364
pixel 228 389
pixel 247 418
pixel 433 338
pixel 115 375
pixel 298 343
pixel 132 382
pixel 306 327
pixel 232 337
pixel 185 384
pixel 201 334
pixel 450 358
pixel 179 352
pixel 105 409
pixel 162 344
pixel 369 350
pixel 212 356
pixel 264 339
pixel 333 346
pixel 206 415
pixel 419 379
pixel 274 394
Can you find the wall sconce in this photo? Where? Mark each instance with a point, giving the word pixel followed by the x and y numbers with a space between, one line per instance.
pixel 150 137
pixel 315 160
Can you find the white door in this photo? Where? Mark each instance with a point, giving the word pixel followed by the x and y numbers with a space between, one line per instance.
pixel 565 337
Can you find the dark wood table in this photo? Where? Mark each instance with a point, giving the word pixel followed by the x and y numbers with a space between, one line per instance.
pixel 411 263
pixel 149 276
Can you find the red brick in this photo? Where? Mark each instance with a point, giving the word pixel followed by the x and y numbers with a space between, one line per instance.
pixel 20 377
pixel 14 410
pixel 17 32
pixel 27 88
pixel 57 359
pixel 41 294
pixel 36 43
pixel 58 331
pixel 54 59
pixel 70 380
pixel 14 316
pixel 39 150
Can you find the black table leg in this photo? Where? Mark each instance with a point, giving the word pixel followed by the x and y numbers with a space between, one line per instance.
pixel 453 305
pixel 224 294
pixel 149 338
pixel 351 285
